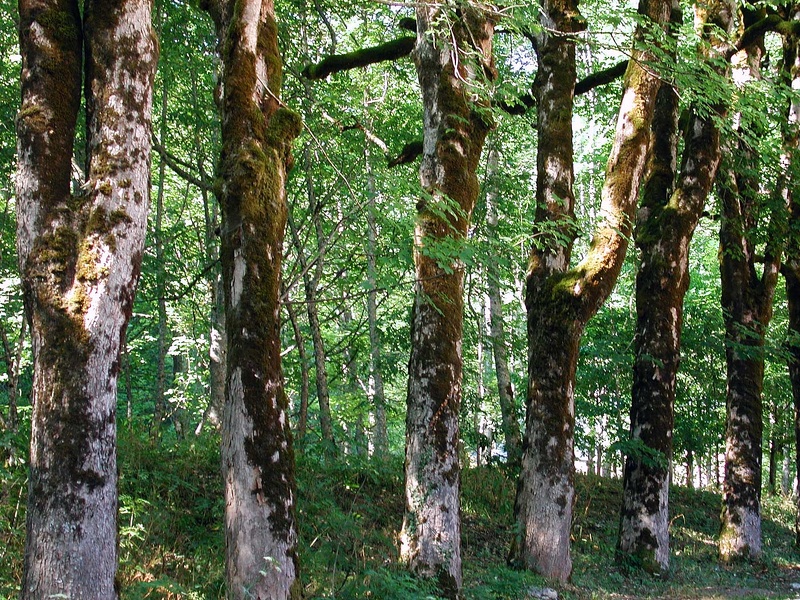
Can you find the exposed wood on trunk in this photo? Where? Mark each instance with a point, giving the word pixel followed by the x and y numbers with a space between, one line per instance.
pixel 79 258
pixel 665 225
pixel 455 127
pixel 561 301
pixel 257 453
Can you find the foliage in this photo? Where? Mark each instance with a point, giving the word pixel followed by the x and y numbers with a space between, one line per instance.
pixel 351 511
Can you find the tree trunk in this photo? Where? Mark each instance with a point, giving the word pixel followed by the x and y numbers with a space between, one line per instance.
pixel 665 225
pixel 508 409
pixel 310 284
pixel 217 342
pixel 302 420
pixel 560 302
pixel 257 452
pixel 378 396
pixel 774 456
pixel 454 132
pixel 791 268
pixel 13 360
pixel 160 409
pixel 747 309
pixel 79 258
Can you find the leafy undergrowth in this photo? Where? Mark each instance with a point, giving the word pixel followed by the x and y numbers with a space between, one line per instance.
pixel 350 512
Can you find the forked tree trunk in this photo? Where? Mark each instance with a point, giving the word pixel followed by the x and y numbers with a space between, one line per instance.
pixel 455 127
pixel 747 309
pixel 79 258
pixel 560 302
pixel 257 454
pixel 665 225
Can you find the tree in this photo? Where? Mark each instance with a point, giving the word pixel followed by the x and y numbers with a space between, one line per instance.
pixel 560 300
pixel 747 308
pixel 508 407
pixel 257 453
pixel 456 122
pixel 665 225
pixel 791 267
pixel 79 251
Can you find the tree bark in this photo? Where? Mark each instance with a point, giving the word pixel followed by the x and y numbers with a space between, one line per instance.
pixel 13 360
pixel 257 453
pixel 378 397
pixel 79 257
pixel 747 309
pixel 561 301
pixel 302 419
pixel 160 409
pixel 455 127
pixel 791 267
pixel 310 285
pixel 508 409
pixel 665 225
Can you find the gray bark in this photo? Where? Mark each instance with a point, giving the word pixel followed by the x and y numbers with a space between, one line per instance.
pixel 665 225
pixel 454 132
pixel 378 397
pixel 79 257
pixel 257 453
pixel 747 309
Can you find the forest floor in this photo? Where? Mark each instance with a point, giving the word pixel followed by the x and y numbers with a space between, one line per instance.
pixel 349 514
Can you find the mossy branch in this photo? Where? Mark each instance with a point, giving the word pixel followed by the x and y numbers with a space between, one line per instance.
pixel 606 76
pixel 393 50
pixel 755 32
pixel 409 152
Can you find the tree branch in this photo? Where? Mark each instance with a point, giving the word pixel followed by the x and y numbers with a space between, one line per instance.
pixel 585 85
pixel 588 83
pixel 409 152
pixel 180 168
pixel 360 58
pixel 754 32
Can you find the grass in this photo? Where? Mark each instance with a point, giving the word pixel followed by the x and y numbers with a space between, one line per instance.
pixel 350 511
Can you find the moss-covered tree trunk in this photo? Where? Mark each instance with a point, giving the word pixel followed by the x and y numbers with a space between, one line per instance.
pixel 747 308
pixel 791 266
pixel 455 126
pixel 665 224
pixel 257 453
pixel 561 301
pixel 79 257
